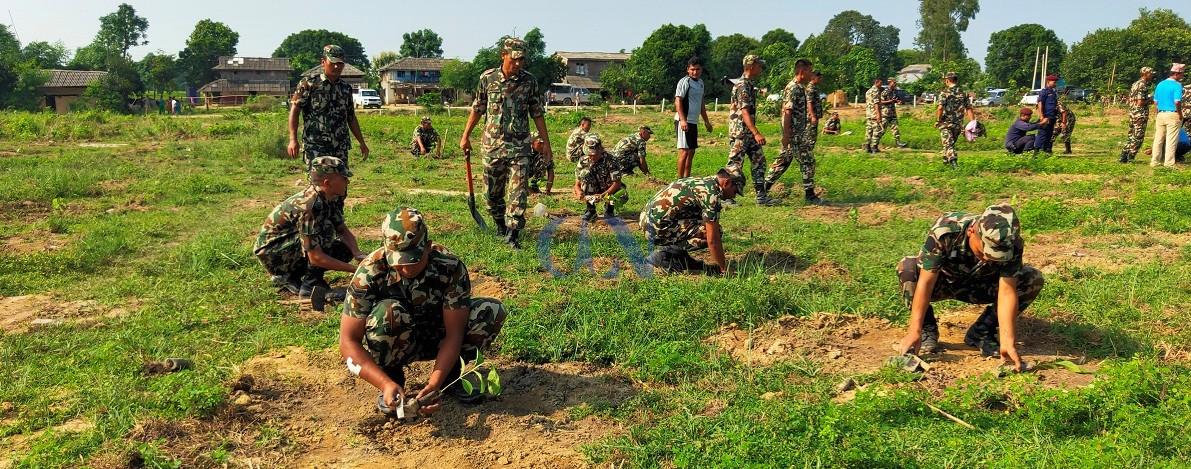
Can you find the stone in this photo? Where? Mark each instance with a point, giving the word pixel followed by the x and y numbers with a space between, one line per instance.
pixel 845 386
pixel 835 354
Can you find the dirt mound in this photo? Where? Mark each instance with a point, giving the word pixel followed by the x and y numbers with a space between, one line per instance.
pixel 850 346
pixel 300 409
pixel 826 270
pixel 492 287
pixel 22 313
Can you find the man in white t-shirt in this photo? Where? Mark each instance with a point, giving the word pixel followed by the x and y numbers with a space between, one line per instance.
pixel 688 98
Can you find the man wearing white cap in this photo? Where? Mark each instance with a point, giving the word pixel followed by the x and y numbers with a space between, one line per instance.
pixel 1168 97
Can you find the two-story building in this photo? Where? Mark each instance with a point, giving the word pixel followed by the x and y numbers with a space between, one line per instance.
pixel 403 80
pixel 584 68
pixel 350 74
pixel 243 77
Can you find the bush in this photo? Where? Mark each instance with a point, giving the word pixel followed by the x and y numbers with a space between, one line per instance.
pixel 431 102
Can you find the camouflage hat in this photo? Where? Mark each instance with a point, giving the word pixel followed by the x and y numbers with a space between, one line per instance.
pixel 951 76
pixel 752 59
pixel 592 141
pixel 329 165
pixel 426 119
pixel 405 235
pixel 333 53
pixel 999 230
pixel 737 178
pixel 646 129
pixel 1145 70
pixel 515 47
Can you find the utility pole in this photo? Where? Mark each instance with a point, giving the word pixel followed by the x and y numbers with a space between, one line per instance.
pixel 1034 76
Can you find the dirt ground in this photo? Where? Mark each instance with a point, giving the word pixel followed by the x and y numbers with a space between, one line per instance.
pixel 296 408
pixel 22 313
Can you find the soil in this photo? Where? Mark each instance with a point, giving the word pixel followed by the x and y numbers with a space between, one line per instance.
pixel 867 214
pixel 18 313
pixel 296 408
pixel 863 345
pixel 35 242
pixel 1051 252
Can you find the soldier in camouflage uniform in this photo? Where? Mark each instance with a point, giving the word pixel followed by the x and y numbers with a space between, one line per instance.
pixel 325 104
pixel 684 217
pixel 1186 109
pixel 597 178
pixel 305 235
pixel 889 102
pixel 1064 124
pixel 797 112
pixel 816 104
pixel 742 129
pixel 410 300
pixel 872 117
pixel 575 141
pixel 1140 97
pixel 425 139
pixel 954 106
pixel 629 152
pixel 508 95
pixel 976 259
pixel 541 169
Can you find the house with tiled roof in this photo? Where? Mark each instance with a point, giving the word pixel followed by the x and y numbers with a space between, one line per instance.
pixel 243 77
pixel 404 79
pixel 66 86
pixel 350 74
pixel 584 68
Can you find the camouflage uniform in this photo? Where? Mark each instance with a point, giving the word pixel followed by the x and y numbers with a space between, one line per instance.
pixel 325 108
pixel 794 100
pixel 872 120
pixel 954 102
pixel 429 138
pixel 1064 124
pixel 1139 116
pixel 812 129
pixel 595 177
pixel 1186 100
pixel 511 104
pixel 889 114
pixel 575 144
pixel 675 216
pixel 629 152
pixel 744 99
pixel 539 169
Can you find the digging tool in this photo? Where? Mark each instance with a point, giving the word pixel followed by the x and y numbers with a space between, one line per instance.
pixel 471 194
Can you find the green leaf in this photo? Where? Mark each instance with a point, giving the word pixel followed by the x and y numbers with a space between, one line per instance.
pixel 493 382
pixel 1071 366
pixel 479 358
pixel 494 389
pixel 466 385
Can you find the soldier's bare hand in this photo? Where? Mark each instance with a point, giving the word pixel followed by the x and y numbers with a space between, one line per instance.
pixel 427 410
pixel 393 395
pixel 760 139
pixel 1009 356
pixel 910 343
pixel 465 145
pixel 292 148
pixel 363 151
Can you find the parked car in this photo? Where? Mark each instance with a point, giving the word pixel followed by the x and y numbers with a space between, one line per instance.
pixel 996 97
pixel 366 98
pixel 928 98
pixel 567 94
pixel 1083 95
pixel 1030 99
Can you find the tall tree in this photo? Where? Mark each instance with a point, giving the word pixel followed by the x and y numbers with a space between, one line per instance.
pixel 207 42
pixel 90 57
pixel 158 71
pixel 122 29
pixel 422 43
pixel 727 52
pixel 1010 58
pixel 305 50
pixel 45 55
pixel 1155 39
pixel 779 35
pixel 941 21
pixel 114 90
pixel 384 58
pixel 661 61
pixel 851 28
pixel 857 69
pixel 460 75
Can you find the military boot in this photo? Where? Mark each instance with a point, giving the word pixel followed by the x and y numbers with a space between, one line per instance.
pixel 1067 148
pixel 1124 157
pixel 512 239
pixel 930 332
pixel 868 148
pixel 501 228
pixel 901 144
pixel 813 199
pixel 609 211
pixel 983 333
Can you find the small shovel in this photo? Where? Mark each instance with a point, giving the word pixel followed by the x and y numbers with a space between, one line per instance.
pixel 471 194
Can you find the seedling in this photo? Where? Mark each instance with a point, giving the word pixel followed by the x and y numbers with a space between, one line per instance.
pixel 489 384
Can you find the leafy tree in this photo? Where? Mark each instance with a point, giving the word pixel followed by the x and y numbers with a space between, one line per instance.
pixel 208 41
pixel 546 69
pixel 305 50
pixel 114 90
pixel 10 50
pixel 1010 59
pixel 19 78
pixel 384 58
pixel 423 43
pixel 122 29
pixel 851 28
pixel 941 22
pixel 460 75
pixel 857 69
pixel 661 60
pixel 1155 39
pixel 726 55
pixel 779 35
pixel 158 71
pixel 45 55
pixel 90 57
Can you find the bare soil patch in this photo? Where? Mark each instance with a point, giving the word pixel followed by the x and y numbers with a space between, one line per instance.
pixel 296 408
pixel 867 214
pixel 22 313
pixel 1050 252
pixel 35 242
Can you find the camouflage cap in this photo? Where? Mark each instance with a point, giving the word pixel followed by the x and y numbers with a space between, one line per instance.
pixel 752 59
pixel 646 129
pixel 515 47
pixel 1145 70
pixel 426 119
pixel 999 231
pixel 333 53
pixel 405 236
pixel 329 165
pixel 951 76
pixel 737 178
pixel 592 141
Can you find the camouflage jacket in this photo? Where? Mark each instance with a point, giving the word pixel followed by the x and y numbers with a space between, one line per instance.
pixel 575 144
pixel 946 251
pixel 1186 100
pixel 630 148
pixel 443 284
pixel 888 109
pixel 305 221
pixel 744 99
pixel 812 96
pixel 510 104
pixel 954 102
pixel 794 97
pixel 429 136
pixel 1139 91
pixel 871 101
pixel 597 177
pixel 1064 114
pixel 325 108
pixel 693 198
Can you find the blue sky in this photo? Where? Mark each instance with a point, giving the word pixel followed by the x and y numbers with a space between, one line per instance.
pixel 467 25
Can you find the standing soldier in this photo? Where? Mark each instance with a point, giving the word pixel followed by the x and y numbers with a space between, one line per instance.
pixel 684 217
pixel 1048 111
pixel 954 106
pixel 742 129
pixel 1064 124
pixel 575 141
pixel 806 161
pixel 629 152
pixel 872 117
pixel 1186 109
pixel 597 179
pixel 425 139
pixel 889 101
pixel 795 131
pixel 1139 99
pixel 325 104
pixel 509 96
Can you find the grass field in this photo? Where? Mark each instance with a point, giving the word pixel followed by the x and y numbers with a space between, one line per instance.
pixel 135 235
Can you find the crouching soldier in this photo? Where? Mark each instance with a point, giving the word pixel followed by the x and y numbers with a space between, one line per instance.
pixel 411 300
pixel 425 140
pixel 685 217
pixel 597 178
pixel 976 259
pixel 630 151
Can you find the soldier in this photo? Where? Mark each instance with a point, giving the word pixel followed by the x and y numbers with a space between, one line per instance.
pixel 1064 123
pixel 889 102
pixel 325 104
pixel 742 129
pixel 833 125
pixel 954 105
pixel 411 300
pixel 305 235
pixel 509 96
pixel 575 141
pixel 1139 99
pixel 796 113
pixel 630 151
pixel 1048 113
pixel 597 178
pixel 684 217
pixel 872 117
pixel 806 160
pixel 1186 109
pixel 425 139
pixel 975 259
pixel 541 169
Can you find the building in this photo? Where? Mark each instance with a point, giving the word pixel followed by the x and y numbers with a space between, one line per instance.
pixel 352 75
pixel 65 86
pixel 912 73
pixel 403 80
pixel 242 77
pixel 584 68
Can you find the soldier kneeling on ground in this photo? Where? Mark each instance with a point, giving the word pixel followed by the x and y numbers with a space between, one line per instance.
pixel 597 178
pixel 684 217
pixel 976 259
pixel 411 300
pixel 305 236
pixel 425 140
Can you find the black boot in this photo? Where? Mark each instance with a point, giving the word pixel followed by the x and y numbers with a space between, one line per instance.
pixel 877 147
pixel 930 332
pixel 1124 157
pixel 609 211
pixel 811 198
pixel 512 240
pixel 768 186
pixel 501 228
pixel 868 148
pixel 900 144
pixel 665 258
pixel 589 215
pixel 983 333
pixel 1067 150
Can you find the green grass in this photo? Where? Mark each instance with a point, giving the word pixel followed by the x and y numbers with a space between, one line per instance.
pixel 163 227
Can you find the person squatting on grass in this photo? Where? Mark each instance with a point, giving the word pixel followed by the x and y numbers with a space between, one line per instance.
pixel 976 259
pixel 541 169
pixel 597 178
pixel 629 152
pixel 1017 138
pixel 684 217
pixel 425 140
pixel 305 236
pixel 575 140
pixel 411 300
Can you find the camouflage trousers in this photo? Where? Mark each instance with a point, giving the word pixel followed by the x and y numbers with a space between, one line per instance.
pixel 742 146
pixel 1029 284
pixel 812 135
pixel 689 234
pixel 417 151
pixel 397 335
pixel 539 172
pixel 1137 132
pixel 804 153
pixel 293 265
pixel 949 134
pixel 872 132
pixel 1062 133
pixel 503 175
pixel 627 164
pixel 889 124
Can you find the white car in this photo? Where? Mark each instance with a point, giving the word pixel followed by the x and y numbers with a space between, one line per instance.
pixel 1030 99
pixel 995 97
pixel 366 98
